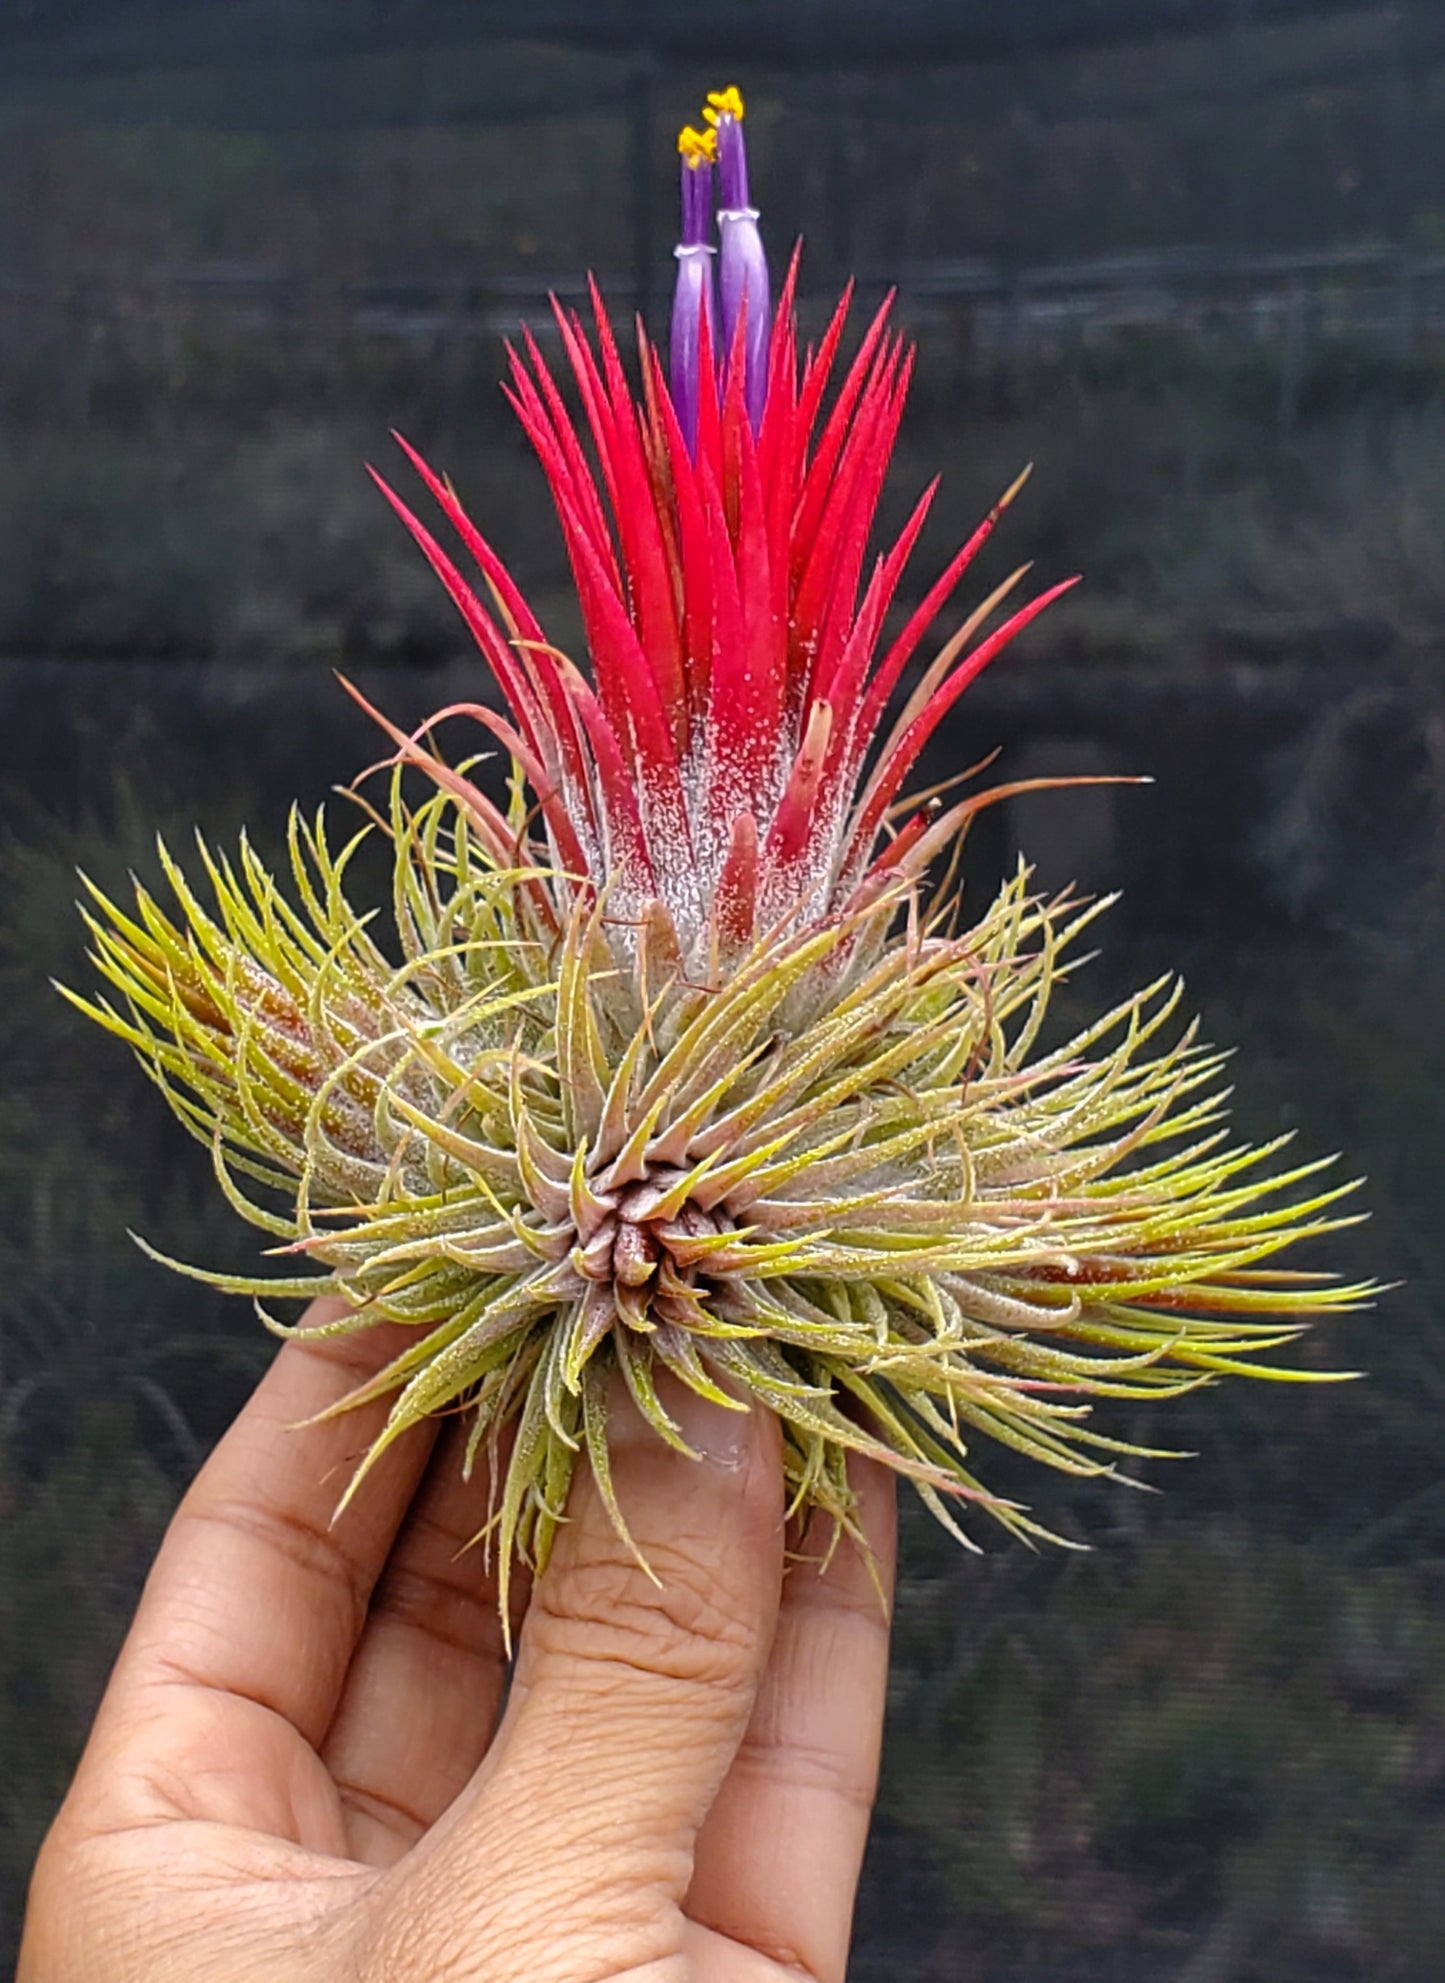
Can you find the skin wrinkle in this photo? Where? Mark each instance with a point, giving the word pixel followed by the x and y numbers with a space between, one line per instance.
pixel 812 1768
pixel 571 1930
pixel 687 1640
pixel 644 1827
pixel 376 1807
pixel 772 1744
pixel 432 1630
pixel 441 1612
pixel 164 1785
pixel 570 1855
pixel 365 1742
pixel 404 1590
pixel 309 1547
pixel 782 1959
pixel 187 1791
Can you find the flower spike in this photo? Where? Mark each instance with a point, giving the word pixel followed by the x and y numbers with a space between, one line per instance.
pixel 670 1065
pixel 743 265
pixel 693 305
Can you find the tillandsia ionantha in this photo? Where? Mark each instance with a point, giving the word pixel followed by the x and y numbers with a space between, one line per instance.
pixel 673 1061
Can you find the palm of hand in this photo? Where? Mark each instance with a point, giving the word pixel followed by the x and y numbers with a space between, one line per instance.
pixel 299 1771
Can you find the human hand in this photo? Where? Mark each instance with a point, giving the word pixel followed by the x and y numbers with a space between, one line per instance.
pixel 298 1772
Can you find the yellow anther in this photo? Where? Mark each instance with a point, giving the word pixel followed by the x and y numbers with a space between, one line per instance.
pixel 724 103
pixel 697 147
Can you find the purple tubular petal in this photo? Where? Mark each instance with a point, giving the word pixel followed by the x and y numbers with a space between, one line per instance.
pixel 743 272
pixel 743 267
pixel 691 303
pixel 692 298
pixel 696 202
pixel 732 163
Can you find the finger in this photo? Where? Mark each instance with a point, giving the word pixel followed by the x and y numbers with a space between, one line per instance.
pixel 255 1597
pixel 779 1857
pixel 629 1701
pixel 419 1703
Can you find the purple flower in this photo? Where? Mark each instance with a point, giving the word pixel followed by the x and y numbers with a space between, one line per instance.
pixel 743 271
pixel 692 301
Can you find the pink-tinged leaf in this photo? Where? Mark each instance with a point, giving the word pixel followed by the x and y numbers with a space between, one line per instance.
pixel 572 503
pixel 735 418
pixel 765 633
pixel 744 704
pixel 496 572
pixel 827 594
pixel 735 901
pixel 534 652
pixel 850 740
pixel 932 603
pixel 896 765
pixel 663 489
pixel 775 429
pixel 854 745
pixel 654 448
pixel 819 366
pixel 622 816
pixel 936 832
pixel 493 828
pixel 938 668
pixel 895 854
pixel 554 810
pixel 628 691
pixel 649 576
pixel 709 457
pixel 781 442
pixel 550 416
pixel 593 394
pixel 792 834
pixel 842 689
pixel 725 785
pixel 649 581
pixel 481 625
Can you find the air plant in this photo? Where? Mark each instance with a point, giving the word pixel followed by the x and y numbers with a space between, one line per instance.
pixel 672 1062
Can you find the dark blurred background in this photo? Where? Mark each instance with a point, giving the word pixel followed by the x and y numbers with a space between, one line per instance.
pixel 1187 256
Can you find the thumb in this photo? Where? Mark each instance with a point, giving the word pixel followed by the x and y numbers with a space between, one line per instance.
pixel 631 1695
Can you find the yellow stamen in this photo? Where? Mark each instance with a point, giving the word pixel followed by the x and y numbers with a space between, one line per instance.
pixel 697 147
pixel 724 103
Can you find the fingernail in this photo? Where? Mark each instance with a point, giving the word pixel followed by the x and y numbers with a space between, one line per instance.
pixel 713 1431
pixel 721 1435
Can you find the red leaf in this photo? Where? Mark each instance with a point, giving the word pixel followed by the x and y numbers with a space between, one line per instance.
pixel 483 627
pixel 735 902
pixel 889 775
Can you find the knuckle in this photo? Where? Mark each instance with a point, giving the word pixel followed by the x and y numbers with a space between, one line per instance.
pixel 685 1628
pixel 289 1533
pixel 818 1769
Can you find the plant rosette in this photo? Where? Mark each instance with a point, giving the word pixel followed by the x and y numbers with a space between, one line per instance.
pixel 676 1060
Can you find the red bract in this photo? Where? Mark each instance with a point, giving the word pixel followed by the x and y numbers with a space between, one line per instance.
pixel 727 759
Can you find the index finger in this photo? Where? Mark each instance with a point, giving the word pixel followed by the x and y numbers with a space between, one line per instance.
pixel 255 1597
